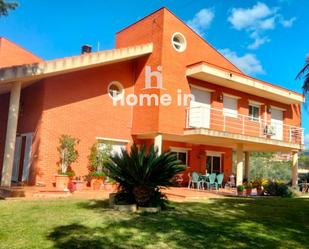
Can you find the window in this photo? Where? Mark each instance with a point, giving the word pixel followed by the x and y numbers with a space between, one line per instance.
pixel 115 90
pixel 182 156
pixel 115 145
pixel 213 164
pixel 254 112
pixel 230 106
pixel 179 42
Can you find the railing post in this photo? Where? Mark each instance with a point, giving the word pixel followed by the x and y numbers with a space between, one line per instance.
pixel 188 118
pixel 224 120
pixel 260 122
pixel 243 125
pixel 302 139
pixel 290 131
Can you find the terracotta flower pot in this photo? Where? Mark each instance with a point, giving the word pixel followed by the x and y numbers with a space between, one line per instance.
pixel 62 182
pixel 96 184
pixel 240 193
pixel 248 191
pixel 111 187
pixel 80 185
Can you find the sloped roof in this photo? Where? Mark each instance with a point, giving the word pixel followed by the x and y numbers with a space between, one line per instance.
pixel 13 55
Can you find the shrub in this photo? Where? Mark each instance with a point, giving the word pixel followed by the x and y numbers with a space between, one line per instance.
pixel 277 188
pixel 97 175
pixel 142 174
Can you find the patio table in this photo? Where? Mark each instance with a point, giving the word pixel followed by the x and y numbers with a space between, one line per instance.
pixel 204 178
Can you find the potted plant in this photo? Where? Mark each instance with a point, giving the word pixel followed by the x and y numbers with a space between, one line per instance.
pixel 99 154
pixel 68 155
pixel 80 183
pixel 141 174
pixel 97 179
pixel 110 185
pixel 258 184
pixel 240 190
pixel 248 188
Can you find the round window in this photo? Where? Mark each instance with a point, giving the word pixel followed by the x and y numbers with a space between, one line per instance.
pixel 115 90
pixel 179 42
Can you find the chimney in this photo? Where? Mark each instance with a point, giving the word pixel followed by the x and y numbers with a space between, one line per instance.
pixel 86 49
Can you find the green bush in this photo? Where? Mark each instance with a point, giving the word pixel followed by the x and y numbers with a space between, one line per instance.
pixel 277 188
pixel 97 175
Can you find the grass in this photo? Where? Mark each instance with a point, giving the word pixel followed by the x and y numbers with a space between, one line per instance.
pixel 217 223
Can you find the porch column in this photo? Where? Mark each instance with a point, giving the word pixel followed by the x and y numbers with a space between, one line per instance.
pixel 294 169
pixel 247 165
pixel 10 138
pixel 158 143
pixel 240 165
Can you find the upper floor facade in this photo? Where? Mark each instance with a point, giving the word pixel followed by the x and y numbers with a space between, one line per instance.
pixel 161 55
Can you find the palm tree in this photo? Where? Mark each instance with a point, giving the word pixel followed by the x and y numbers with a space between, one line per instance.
pixel 304 73
pixel 142 174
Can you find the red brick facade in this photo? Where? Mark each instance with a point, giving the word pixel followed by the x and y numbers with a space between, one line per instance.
pixel 78 104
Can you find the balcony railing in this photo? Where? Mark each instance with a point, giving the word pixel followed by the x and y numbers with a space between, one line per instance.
pixel 220 120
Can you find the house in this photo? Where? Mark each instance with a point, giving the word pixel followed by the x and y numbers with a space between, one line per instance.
pixel 110 97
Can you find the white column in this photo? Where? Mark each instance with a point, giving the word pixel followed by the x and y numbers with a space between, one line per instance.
pixel 240 165
pixel 294 169
pixel 158 143
pixel 10 138
pixel 247 164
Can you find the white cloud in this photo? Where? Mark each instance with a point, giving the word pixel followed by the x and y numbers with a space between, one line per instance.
pixel 257 20
pixel 250 18
pixel 257 40
pixel 248 63
pixel 306 138
pixel 201 20
pixel 288 23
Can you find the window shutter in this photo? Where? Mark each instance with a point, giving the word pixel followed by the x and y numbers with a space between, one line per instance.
pixel 230 106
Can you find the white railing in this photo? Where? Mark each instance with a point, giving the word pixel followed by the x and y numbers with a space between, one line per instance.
pixel 216 119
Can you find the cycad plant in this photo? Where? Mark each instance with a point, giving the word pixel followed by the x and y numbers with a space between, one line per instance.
pixel 141 174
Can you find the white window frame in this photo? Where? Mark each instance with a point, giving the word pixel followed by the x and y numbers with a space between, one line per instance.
pixel 252 118
pixel 111 141
pixel 181 150
pixel 121 89
pixel 182 44
pixel 212 161
pixel 214 154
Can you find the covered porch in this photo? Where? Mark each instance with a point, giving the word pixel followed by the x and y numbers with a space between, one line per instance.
pixel 204 150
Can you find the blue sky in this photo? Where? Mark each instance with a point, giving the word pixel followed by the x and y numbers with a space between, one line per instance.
pixel 267 39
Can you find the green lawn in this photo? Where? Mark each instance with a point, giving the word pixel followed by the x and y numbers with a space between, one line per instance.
pixel 217 223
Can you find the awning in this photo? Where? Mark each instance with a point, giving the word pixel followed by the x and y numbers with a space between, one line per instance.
pixel 205 72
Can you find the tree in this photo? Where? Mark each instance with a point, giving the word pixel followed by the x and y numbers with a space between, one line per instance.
pixel 304 73
pixel 99 155
pixel 67 152
pixel 264 165
pixel 141 174
pixel 6 6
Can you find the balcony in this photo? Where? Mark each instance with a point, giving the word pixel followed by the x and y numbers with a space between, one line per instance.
pixel 232 123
